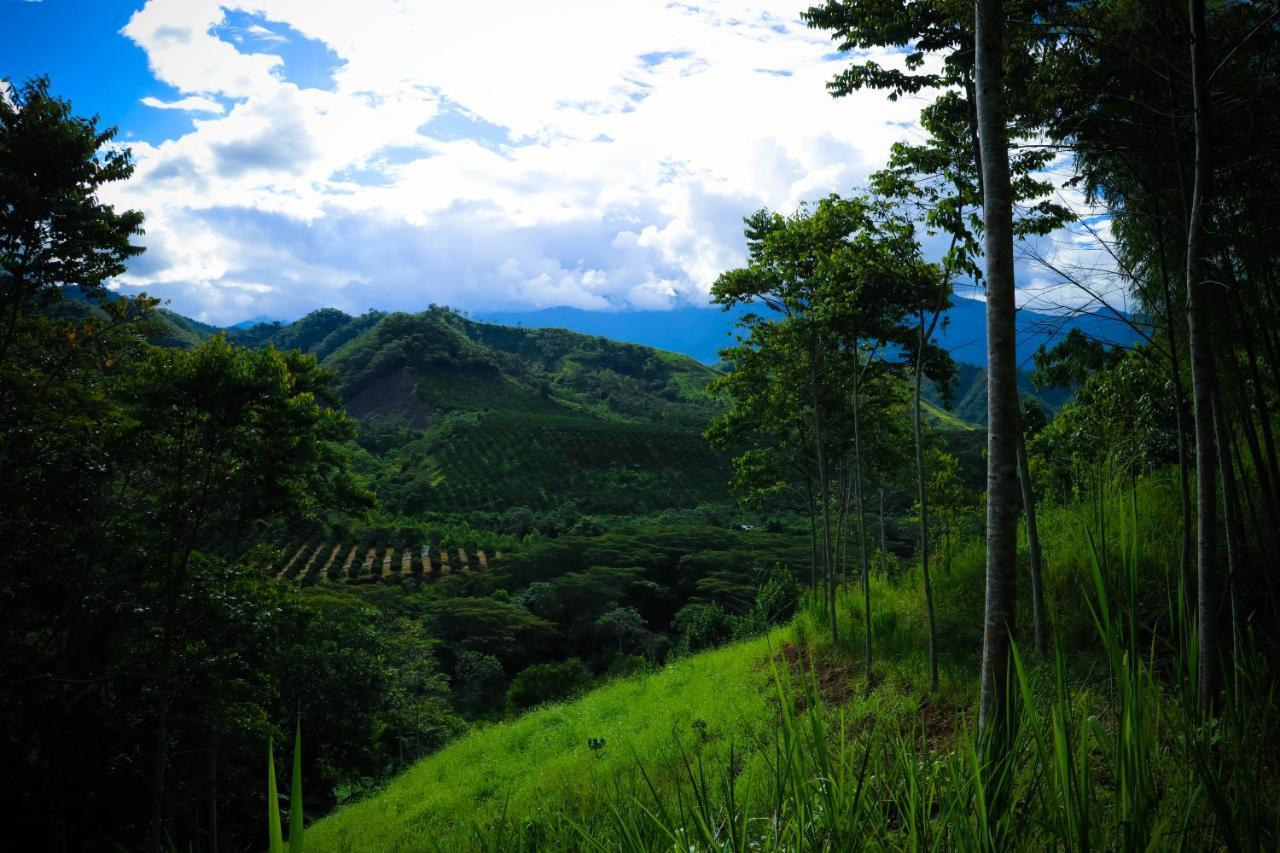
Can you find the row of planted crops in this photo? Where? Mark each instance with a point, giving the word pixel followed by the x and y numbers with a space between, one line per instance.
pixel 316 561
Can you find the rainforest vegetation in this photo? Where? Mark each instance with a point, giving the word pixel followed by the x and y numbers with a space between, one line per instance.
pixel 525 589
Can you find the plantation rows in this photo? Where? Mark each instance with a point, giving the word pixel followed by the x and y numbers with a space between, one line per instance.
pixel 606 466
pixel 315 561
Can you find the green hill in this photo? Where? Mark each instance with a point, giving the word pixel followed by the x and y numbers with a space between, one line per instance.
pixel 457 415
pixel 968 402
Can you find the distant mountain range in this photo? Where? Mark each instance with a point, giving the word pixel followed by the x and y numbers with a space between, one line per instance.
pixel 702 332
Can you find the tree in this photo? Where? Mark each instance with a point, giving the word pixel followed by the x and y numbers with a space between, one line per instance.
pixel 628 627
pixel 833 276
pixel 53 229
pixel 943 177
pixel 928 291
pixel 994 716
pixel 479 681
pixel 1031 420
pixel 799 267
pixel 231 436
pixel 1203 370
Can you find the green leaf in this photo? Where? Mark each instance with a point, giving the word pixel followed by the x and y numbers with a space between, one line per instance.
pixel 295 794
pixel 274 839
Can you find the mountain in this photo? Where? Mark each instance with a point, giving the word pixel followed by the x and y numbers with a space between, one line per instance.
pixel 702 332
pixel 458 415
pixel 968 402
pixel 259 320
pixel 699 333
pixel 167 328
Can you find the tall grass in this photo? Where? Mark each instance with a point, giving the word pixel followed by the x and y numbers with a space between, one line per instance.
pixel 1114 760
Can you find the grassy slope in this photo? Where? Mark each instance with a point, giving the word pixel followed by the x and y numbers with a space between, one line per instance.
pixel 541 762
pixel 534 783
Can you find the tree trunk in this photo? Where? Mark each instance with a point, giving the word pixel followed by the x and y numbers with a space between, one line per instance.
pixel 824 492
pixel 1179 400
pixel 884 552
pixel 1209 585
pixel 1039 615
pixel 862 517
pixel 211 769
pixel 1237 564
pixel 924 517
pixel 995 711
pixel 1268 467
pixel 813 534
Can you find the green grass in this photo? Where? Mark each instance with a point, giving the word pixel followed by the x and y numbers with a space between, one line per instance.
pixel 540 766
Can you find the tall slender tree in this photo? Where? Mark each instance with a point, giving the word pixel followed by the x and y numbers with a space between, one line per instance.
pixel 1002 396
pixel 1203 373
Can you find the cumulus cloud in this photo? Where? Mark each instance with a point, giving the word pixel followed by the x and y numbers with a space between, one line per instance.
pixel 597 153
pixel 192 103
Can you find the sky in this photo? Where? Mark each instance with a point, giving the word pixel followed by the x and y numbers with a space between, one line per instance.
pixel 389 154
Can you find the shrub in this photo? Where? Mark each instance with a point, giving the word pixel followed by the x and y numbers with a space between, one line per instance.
pixel 547 682
pixel 701 626
pixel 778 596
pixel 478 681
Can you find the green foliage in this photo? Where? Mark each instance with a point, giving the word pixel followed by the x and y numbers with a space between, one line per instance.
pixel 701 626
pixel 275 840
pixel 628 628
pixel 478 681
pixel 779 596
pixel 54 230
pixel 296 816
pixel 297 842
pixel 547 682
pixel 1122 415
pixel 1073 360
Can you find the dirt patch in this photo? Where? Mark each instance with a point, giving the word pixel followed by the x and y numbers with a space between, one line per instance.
pixel 391 397
pixel 833 680
pixel 935 723
pixel 940 720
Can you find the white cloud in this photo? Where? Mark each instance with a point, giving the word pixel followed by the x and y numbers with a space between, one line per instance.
pixel 1076 267
pixel 598 153
pixel 190 104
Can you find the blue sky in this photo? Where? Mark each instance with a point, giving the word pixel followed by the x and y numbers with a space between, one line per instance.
pixel 600 154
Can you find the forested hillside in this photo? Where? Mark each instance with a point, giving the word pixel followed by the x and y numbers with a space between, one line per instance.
pixel 455 415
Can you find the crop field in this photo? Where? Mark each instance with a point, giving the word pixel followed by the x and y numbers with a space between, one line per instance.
pixel 501 460
pixel 423 562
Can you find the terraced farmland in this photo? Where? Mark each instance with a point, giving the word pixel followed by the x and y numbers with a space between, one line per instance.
pixel 315 561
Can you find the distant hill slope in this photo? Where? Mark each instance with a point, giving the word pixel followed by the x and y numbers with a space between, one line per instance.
pixel 457 414
pixel 969 394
